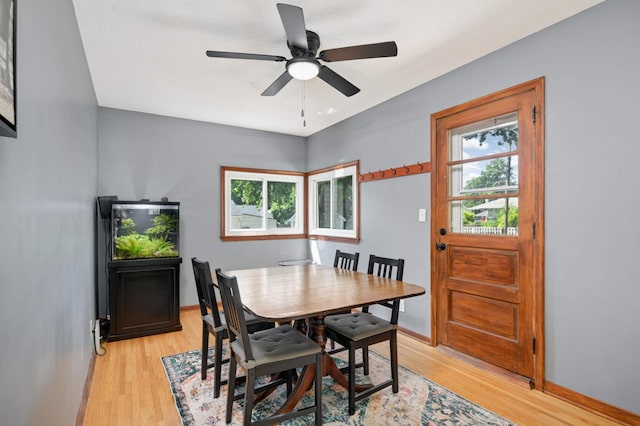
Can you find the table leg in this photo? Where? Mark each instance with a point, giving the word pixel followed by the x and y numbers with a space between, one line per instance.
pixel 329 368
pixel 302 385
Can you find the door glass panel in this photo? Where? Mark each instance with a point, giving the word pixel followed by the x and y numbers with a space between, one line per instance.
pixel 487 218
pixel 493 136
pixel 483 177
pixel 496 176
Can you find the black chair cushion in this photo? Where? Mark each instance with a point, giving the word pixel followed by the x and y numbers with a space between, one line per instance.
pixel 276 344
pixel 208 319
pixel 249 319
pixel 358 326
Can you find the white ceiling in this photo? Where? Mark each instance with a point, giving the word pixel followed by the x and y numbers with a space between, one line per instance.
pixel 149 55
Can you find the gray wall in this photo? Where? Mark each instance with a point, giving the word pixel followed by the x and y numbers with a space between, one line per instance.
pixel 150 156
pixel 48 181
pixel 591 64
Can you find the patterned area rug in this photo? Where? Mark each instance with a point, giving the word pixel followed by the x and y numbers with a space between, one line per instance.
pixel 419 401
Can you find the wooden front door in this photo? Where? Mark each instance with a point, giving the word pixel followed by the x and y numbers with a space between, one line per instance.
pixel 487 180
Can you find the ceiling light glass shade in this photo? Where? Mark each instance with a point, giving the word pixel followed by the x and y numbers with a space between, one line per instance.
pixel 303 70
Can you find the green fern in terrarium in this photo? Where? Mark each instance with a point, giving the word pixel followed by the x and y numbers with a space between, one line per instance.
pixel 136 246
pixel 164 226
pixel 132 246
pixel 127 227
pixel 161 248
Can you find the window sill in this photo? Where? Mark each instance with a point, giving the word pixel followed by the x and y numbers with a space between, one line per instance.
pixel 347 240
pixel 261 237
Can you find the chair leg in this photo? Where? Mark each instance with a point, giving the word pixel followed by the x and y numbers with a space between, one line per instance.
pixel 217 368
pixel 231 388
pixel 352 381
pixel 393 350
pixel 318 390
pixel 249 390
pixel 289 378
pixel 365 360
pixel 205 352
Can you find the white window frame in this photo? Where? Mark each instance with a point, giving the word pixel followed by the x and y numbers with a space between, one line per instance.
pixel 329 174
pixel 229 173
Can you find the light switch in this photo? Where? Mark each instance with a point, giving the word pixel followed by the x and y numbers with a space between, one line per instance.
pixel 422 215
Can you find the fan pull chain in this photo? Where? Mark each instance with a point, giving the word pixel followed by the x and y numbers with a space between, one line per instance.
pixel 304 121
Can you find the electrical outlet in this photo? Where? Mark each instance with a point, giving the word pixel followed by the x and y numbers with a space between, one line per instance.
pixel 402 306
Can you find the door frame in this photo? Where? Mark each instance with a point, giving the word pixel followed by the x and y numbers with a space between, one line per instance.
pixel 537 86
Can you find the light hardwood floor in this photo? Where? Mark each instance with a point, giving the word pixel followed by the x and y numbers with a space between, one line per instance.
pixel 129 385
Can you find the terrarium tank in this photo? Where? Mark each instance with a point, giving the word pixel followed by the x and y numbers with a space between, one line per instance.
pixel 144 230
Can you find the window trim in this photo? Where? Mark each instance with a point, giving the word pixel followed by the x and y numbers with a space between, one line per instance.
pixel 347 236
pixel 227 173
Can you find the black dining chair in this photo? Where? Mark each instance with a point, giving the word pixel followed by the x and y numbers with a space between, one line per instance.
pixel 344 260
pixel 278 350
pixel 214 323
pixel 363 329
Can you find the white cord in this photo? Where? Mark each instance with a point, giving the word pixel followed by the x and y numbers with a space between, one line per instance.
pixel 95 345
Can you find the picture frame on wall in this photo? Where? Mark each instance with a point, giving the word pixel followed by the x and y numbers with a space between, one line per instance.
pixel 8 68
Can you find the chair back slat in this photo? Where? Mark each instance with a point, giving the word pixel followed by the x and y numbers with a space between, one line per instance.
pixel 233 312
pixel 384 267
pixel 344 260
pixel 206 299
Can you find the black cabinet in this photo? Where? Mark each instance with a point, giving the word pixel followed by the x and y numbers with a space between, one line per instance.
pixel 144 297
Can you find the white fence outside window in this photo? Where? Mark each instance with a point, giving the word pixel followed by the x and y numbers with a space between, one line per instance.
pixel 488 230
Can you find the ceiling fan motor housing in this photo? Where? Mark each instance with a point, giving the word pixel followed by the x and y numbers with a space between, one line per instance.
pixel 303 64
pixel 313 42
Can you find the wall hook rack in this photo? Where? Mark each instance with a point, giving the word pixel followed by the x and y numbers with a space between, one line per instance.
pixel 404 170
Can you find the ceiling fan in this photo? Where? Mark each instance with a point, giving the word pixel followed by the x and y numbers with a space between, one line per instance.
pixel 304 65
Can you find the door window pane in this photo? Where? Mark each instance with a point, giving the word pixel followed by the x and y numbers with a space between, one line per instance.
pixel 496 176
pixel 487 218
pixel 494 136
pixel 483 177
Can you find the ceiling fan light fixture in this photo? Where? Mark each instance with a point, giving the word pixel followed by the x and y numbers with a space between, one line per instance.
pixel 303 68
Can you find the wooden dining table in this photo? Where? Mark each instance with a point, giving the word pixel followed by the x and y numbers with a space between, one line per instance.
pixel 300 292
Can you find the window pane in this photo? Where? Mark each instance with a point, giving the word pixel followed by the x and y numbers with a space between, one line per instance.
pixel 246 204
pixel 343 203
pixel 499 175
pixel 281 205
pixel 494 136
pixel 262 204
pixel 333 202
pixel 324 205
pixel 486 218
pixel 488 186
